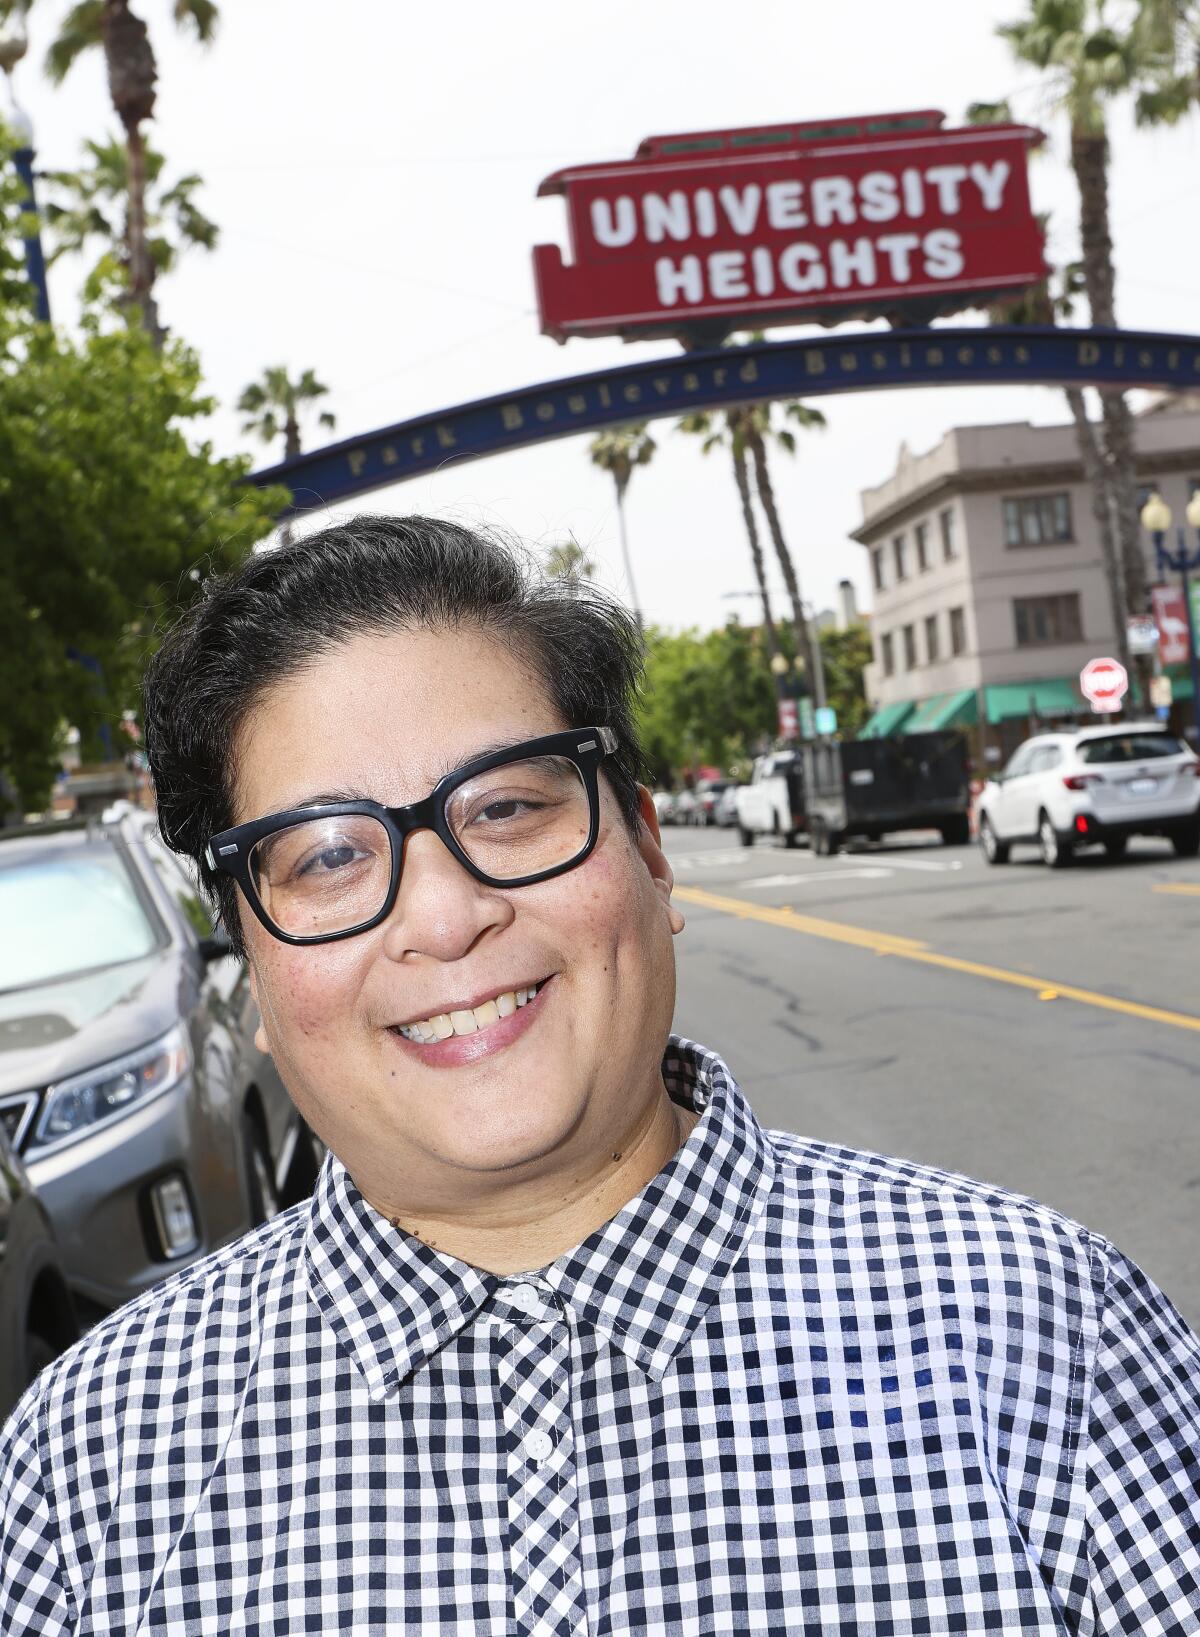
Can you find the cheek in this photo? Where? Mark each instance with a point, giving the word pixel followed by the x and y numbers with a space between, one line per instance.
pixel 303 993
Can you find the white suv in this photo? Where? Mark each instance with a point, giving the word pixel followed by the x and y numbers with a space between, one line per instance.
pixel 1093 786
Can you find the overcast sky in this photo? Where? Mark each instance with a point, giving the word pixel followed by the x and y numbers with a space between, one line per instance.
pixel 373 168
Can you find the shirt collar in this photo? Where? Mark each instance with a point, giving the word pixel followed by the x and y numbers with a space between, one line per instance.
pixel 643 1279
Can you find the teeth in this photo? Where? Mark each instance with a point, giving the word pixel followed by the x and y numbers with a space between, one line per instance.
pixel 445 1024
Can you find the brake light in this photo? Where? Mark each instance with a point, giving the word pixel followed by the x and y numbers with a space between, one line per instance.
pixel 1080 781
pixel 1081 824
pixel 1193 767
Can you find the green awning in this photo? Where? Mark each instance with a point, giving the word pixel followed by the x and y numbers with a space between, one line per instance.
pixel 1056 697
pixel 944 710
pixel 1181 681
pixel 888 719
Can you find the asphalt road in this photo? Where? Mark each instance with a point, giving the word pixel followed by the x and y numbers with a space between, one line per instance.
pixel 1038 1029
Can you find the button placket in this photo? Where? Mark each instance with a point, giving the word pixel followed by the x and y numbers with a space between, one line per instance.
pixel 533 1375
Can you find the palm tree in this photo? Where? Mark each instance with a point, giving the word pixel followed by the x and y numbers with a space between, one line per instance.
pixel 617 450
pixel 275 403
pixel 567 561
pixel 93 203
pixel 1048 302
pixel 1166 38
pixel 758 420
pixel 728 431
pixel 1088 64
pixel 132 79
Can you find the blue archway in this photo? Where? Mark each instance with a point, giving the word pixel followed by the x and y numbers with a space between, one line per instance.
pixel 702 380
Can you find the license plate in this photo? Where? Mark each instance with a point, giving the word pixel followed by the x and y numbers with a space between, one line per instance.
pixel 1142 787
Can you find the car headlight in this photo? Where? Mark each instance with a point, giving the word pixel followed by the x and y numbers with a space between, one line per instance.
pixel 76 1107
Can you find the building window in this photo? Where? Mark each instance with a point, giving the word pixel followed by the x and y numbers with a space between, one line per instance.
pixel 877 567
pixel 900 556
pixel 1037 520
pixel 958 630
pixel 949 544
pixel 921 534
pixel 887 654
pixel 910 648
pixel 931 640
pixel 1047 619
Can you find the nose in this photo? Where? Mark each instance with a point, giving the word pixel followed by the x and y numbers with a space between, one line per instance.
pixel 441 911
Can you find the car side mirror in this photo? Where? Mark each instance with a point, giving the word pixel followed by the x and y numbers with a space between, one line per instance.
pixel 216 947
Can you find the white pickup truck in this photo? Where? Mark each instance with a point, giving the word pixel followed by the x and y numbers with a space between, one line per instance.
pixel 772 804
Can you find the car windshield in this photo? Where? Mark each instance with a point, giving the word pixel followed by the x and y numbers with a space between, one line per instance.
pixel 1130 747
pixel 67 909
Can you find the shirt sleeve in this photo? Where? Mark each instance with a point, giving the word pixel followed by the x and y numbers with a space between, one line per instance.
pixel 1143 1461
pixel 32 1598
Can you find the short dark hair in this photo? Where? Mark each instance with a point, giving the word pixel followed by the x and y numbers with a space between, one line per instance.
pixel 283 608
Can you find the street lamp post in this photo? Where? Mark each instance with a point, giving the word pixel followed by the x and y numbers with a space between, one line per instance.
pixel 1156 520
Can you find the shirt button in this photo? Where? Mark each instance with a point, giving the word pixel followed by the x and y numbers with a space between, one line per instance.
pixel 526 1299
pixel 538 1446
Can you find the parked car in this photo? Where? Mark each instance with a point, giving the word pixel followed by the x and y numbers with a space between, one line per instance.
pixel 871 787
pixel 1093 786
pixel 708 793
pixel 664 806
pixel 152 1127
pixel 37 1319
pixel 727 807
pixel 772 803
pixel 685 809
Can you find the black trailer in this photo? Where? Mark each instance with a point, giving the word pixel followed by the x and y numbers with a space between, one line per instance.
pixel 868 787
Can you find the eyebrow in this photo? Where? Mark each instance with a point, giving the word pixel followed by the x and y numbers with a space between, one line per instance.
pixel 331 798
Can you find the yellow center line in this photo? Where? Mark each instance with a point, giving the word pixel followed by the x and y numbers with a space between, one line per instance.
pixel 910 949
pixel 1178 886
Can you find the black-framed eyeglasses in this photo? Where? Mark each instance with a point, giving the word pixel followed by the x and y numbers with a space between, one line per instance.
pixel 519 815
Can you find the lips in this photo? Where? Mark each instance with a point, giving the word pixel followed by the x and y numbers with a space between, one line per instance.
pixel 466 1019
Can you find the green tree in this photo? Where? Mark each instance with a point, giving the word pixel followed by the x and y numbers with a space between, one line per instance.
pixel 707 697
pixel 846 654
pixel 1087 63
pixel 274 404
pixel 90 206
pixel 114 28
pixel 618 450
pixel 110 510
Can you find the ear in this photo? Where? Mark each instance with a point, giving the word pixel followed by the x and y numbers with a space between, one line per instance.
pixel 655 860
pixel 260 1033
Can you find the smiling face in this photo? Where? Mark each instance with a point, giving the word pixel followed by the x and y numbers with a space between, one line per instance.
pixel 539 1094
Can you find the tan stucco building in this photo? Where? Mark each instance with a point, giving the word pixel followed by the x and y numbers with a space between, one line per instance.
pixel 988 587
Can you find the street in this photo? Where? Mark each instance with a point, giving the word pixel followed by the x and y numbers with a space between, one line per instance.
pixel 1035 1029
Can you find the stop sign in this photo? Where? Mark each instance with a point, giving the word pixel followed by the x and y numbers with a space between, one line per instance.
pixel 1104 684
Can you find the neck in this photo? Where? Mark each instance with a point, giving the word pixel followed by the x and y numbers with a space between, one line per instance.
pixel 538 1224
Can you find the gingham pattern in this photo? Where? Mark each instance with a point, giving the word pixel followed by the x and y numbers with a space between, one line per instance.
pixel 790 1388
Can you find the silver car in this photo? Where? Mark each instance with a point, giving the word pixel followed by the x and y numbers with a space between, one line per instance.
pixel 130 1085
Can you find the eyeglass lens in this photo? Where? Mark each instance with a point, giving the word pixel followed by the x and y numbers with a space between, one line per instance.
pixel 327 875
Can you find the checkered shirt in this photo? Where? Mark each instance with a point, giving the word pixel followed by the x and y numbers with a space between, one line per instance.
pixel 789 1388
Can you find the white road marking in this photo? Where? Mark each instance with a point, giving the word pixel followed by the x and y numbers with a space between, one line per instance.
pixel 871 873
pixel 894 863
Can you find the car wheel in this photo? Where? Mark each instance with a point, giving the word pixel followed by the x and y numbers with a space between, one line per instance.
pixel 994 850
pixel 264 1198
pixel 1055 853
pixel 1115 848
pixel 746 837
pixel 956 832
pixel 790 838
pixel 1186 842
